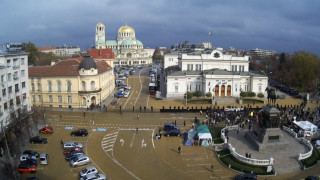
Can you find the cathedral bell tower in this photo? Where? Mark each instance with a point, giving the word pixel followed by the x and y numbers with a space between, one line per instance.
pixel 100 36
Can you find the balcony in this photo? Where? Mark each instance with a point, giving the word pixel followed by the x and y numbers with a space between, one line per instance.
pixel 16 67
pixel 89 92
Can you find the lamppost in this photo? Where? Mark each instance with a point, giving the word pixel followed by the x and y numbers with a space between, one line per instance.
pixel 186 89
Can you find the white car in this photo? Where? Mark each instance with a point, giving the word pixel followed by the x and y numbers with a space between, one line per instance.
pixel 122 77
pixel 80 160
pixel 68 145
pixel 128 87
pixel 94 176
pixel 24 157
pixel 126 94
pixel 88 170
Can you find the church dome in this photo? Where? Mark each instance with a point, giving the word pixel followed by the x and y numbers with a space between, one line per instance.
pixel 87 63
pixel 128 42
pixel 126 29
pixel 139 43
pixel 100 24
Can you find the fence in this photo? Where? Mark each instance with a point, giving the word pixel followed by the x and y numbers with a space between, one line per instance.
pixel 240 157
pixel 290 131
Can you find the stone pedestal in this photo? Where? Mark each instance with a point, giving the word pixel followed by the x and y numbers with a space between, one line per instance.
pixel 267 134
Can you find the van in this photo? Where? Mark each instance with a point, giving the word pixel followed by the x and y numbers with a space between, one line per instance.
pixel 44 158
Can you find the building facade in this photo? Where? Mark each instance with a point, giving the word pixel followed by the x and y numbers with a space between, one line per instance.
pixel 71 83
pixel 14 96
pixel 215 71
pixel 106 55
pixel 127 49
pixel 67 51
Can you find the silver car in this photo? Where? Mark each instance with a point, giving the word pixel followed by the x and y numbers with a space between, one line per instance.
pixel 72 145
pixel 94 176
pixel 80 160
pixel 88 170
pixel 44 158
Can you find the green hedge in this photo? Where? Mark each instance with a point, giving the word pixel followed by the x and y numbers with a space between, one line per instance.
pixel 260 95
pixel 248 94
pixel 197 94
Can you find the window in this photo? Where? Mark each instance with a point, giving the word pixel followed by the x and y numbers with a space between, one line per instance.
pixel 176 88
pixel 24 96
pixel 60 99
pixel 2 78
pixel 235 68
pixel 50 99
pixel 260 89
pixel 69 86
pixel 10 89
pixel 83 86
pixel 22 73
pixel 4 92
pixel 92 85
pixel 23 84
pixel 18 100
pixel 84 101
pixel 8 63
pixel 15 62
pixel 39 87
pixel 5 106
pixel 50 86
pixel 59 86
pixel 22 61
pixel 32 86
pixel 9 77
pixel 69 99
pixel 33 98
pixel 40 98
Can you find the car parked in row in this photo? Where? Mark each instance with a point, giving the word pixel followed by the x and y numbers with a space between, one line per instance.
pixel 74 155
pixel 24 157
pixel 94 176
pixel 88 170
pixel 39 140
pixel 68 145
pixel 79 132
pixel 46 130
pixel 80 160
pixel 26 168
pixel 173 132
pixel 70 150
pixel 43 160
pixel 169 126
pixel 126 94
pixel 31 153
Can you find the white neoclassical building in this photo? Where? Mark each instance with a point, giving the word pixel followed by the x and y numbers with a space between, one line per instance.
pixel 127 49
pixel 221 73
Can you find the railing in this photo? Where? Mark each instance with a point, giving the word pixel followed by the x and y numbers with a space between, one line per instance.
pixel 94 91
pixel 308 154
pixel 241 158
pixel 290 131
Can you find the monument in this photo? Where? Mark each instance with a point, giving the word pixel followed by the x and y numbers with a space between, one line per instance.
pixel 267 135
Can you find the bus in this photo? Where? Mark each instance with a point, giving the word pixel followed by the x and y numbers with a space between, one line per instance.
pixel 152 88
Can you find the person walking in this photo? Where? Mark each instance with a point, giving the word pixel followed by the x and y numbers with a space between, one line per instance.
pixel 138 116
pixel 179 150
pixel 212 167
pixel 184 123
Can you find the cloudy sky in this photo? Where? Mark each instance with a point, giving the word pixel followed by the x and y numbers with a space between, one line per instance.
pixel 281 25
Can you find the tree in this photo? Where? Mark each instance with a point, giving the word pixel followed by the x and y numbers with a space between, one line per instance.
pixel 33 52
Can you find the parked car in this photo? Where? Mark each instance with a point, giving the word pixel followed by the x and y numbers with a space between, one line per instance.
pixel 26 168
pixel 79 132
pixel 32 178
pixel 246 176
pixel 31 162
pixel 169 126
pixel 88 170
pixel 122 77
pixel 46 130
pixel 120 94
pixel 30 152
pixel 173 132
pixel 69 145
pixel 43 159
pixel 80 160
pixel 70 150
pixel 24 157
pixel 38 139
pixel 74 155
pixel 126 94
pixel 94 176
pixel 313 140
pixel 311 178
pixel 128 87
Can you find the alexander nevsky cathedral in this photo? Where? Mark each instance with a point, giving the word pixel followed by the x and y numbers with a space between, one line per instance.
pixel 128 50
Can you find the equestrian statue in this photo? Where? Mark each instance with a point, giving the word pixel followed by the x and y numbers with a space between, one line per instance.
pixel 271 96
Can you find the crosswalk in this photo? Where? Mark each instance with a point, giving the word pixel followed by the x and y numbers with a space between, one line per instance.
pixel 108 141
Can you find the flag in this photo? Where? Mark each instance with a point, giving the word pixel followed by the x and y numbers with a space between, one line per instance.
pixel 210 33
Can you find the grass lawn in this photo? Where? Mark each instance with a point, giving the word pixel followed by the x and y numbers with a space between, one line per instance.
pixel 227 159
pixel 216 134
pixel 313 159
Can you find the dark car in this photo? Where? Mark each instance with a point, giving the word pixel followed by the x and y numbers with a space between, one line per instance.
pixel 79 132
pixel 315 139
pixel 311 178
pixel 32 178
pixel 30 152
pixel 169 126
pixel 247 176
pixel 31 162
pixel 38 139
pixel 26 168
pixel 74 155
pixel 173 132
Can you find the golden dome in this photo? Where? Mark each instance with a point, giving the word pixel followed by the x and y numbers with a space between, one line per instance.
pixel 100 24
pixel 126 29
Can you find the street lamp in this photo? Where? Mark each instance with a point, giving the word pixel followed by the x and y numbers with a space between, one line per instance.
pixel 186 89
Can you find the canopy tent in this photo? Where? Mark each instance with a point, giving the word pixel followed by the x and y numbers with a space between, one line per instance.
pixel 204 135
pixel 307 127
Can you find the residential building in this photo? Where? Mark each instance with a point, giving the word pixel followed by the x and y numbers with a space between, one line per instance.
pixel 262 53
pixel 67 51
pixel 14 96
pixel 73 83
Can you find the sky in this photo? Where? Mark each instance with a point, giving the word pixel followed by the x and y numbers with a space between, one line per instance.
pixel 281 25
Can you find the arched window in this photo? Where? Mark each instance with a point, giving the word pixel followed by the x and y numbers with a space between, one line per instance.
pixel 93 85
pixel 50 86
pixel 83 86
pixel 84 101
pixel 59 86
pixel 50 99
pixel 69 86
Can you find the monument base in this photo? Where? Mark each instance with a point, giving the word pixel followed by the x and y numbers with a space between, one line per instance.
pixel 266 138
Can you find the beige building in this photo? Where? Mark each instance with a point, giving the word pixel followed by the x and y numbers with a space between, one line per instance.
pixel 71 83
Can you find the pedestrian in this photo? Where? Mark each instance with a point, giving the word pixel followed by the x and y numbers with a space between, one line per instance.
pixel 84 114
pixel 160 133
pixel 212 166
pixel 184 123
pixel 137 131
pixel 249 156
pixel 227 139
pixel 138 116
pixel 179 150
pixel 175 122
pixel 60 116
pixel 246 155
pixel 62 142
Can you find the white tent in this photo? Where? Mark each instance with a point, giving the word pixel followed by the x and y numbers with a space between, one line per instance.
pixel 307 127
pixel 204 134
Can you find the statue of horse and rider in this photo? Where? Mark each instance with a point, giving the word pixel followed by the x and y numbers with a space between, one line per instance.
pixel 271 96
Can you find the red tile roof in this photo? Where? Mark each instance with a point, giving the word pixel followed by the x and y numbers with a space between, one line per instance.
pixel 76 58
pixel 64 68
pixel 101 53
pixel 46 48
